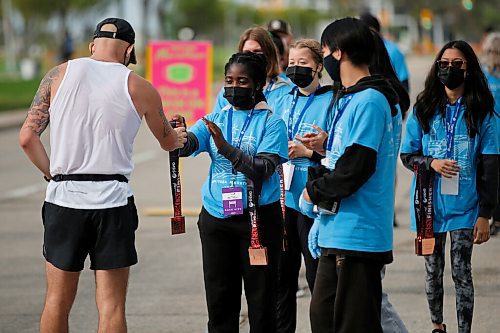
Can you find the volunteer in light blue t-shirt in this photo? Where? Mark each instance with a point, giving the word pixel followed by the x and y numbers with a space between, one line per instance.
pixel 303 109
pixel 241 233
pixel 354 192
pixel 491 68
pixel 451 136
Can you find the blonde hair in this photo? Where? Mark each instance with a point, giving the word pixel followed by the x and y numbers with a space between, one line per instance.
pixel 261 36
pixel 314 48
pixel 491 53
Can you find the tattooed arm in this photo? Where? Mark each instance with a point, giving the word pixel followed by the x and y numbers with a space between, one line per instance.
pixel 147 102
pixel 38 118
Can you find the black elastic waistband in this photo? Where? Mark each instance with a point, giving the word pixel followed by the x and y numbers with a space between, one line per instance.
pixel 90 178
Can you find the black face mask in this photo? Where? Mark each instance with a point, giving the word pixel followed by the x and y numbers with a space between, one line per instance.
pixel 451 77
pixel 300 76
pixel 240 97
pixel 332 66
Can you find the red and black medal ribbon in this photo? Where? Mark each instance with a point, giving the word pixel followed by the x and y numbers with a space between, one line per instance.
pixel 178 222
pixel 256 252
pixel 424 210
pixel 282 203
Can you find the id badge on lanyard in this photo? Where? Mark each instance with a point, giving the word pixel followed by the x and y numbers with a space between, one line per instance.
pixel 449 186
pixel 232 196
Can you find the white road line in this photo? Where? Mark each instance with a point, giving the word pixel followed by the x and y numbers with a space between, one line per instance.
pixel 138 158
pixel 23 191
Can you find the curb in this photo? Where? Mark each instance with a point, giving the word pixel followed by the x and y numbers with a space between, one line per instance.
pixel 12 119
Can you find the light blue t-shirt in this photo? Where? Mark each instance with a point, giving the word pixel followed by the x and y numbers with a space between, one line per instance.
pixel 452 212
pixel 364 221
pixel 279 88
pixel 397 60
pixel 494 83
pixel 266 133
pixel 316 114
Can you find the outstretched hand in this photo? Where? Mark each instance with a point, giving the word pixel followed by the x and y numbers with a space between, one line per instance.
pixel 215 132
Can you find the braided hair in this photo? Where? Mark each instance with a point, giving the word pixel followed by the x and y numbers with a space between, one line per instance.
pixel 255 66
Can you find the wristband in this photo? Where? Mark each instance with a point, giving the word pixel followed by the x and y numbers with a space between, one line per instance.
pixel 46 179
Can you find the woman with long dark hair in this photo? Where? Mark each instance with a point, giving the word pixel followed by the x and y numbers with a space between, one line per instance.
pixel 451 136
pixel 241 218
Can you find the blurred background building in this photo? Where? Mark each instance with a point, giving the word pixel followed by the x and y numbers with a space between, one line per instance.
pixel 34 32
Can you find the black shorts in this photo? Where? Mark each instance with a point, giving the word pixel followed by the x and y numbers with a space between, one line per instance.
pixel 107 235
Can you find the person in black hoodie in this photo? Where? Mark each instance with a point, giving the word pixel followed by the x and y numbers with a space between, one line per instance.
pixel 354 192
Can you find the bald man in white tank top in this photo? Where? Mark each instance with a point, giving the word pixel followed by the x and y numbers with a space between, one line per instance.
pixel 95 106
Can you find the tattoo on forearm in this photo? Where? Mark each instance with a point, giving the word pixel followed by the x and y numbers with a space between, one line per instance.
pixel 167 129
pixel 38 113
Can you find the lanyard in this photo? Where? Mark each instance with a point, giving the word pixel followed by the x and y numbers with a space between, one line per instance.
pixel 269 88
pixel 242 132
pixel 451 123
pixel 338 114
pixel 243 129
pixel 292 130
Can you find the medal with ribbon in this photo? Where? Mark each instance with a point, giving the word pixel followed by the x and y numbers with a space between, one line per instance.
pixel 424 210
pixel 256 252
pixel 279 168
pixel 178 223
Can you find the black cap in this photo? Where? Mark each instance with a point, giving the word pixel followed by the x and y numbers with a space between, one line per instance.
pixel 279 26
pixel 124 31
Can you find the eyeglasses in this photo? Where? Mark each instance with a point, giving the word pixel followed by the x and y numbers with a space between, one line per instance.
pixel 457 63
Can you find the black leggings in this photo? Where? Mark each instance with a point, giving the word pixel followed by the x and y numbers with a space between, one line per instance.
pixel 297 229
pixel 225 244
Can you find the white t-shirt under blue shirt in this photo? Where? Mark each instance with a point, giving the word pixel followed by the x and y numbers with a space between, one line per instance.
pixel 452 212
pixel 266 133
pixel 365 218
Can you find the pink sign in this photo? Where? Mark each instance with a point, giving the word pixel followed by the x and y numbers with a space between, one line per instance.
pixel 182 73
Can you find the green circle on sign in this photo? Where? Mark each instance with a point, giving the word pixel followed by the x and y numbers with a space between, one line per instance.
pixel 180 73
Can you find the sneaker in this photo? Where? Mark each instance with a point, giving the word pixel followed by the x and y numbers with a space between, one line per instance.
pixel 437 330
pixel 494 228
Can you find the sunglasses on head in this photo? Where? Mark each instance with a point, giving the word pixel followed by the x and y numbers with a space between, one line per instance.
pixel 457 63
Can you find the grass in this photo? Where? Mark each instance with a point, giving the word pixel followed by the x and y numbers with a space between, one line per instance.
pixel 17 94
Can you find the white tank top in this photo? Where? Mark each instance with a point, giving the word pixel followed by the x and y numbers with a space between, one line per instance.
pixel 93 124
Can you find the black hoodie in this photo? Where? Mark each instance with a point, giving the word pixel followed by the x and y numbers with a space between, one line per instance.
pixel 327 188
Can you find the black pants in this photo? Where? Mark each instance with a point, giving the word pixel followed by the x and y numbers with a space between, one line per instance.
pixel 225 244
pixel 297 229
pixel 347 295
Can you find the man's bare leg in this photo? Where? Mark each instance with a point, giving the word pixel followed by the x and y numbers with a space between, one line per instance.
pixel 111 292
pixel 61 292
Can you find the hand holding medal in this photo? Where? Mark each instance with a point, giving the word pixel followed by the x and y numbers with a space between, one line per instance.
pixel 178 223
